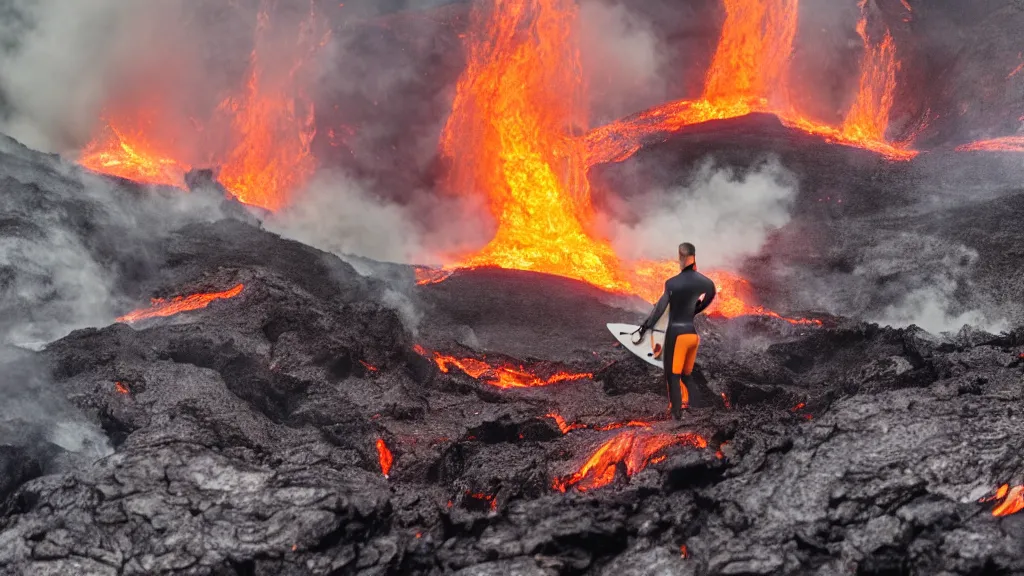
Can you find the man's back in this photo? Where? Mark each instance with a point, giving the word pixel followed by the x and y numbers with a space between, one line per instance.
pixel 684 295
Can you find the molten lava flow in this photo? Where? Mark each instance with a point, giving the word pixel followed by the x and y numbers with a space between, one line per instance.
pixel 385 457
pixel 749 73
pixel 563 425
pixel 502 376
pixel 635 449
pixel 369 366
pixel 1011 500
pixel 121 388
pixel 1004 144
pixel 160 307
pixel 269 127
pixel 490 499
pixel 508 135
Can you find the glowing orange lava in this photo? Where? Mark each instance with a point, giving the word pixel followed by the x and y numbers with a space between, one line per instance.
pixel 1011 500
pixel 566 427
pixel 127 153
pixel 384 457
pixel 269 124
pixel 1004 144
pixel 635 449
pixel 160 308
pixel 121 388
pixel 749 73
pixel 502 376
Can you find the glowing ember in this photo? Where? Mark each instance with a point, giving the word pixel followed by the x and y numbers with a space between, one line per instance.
pixel 369 366
pixel 160 308
pixel 1004 144
pixel 491 500
pixel 269 124
pixel 500 376
pixel 121 388
pixel 683 552
pixel 385 457
pixel 1011 500
pixel 566 428
pixel 634 449
pixel 725 400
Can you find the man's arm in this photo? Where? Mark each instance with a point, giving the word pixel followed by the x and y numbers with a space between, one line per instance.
pixel 659 310
pixel 708 297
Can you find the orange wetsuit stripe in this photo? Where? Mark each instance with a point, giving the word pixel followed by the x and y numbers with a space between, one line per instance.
pixel 685 354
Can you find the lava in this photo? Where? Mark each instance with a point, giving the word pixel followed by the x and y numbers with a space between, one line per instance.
pixel 566 427
pixel 489 499
pixel 384 457
pixel 160 307
pixel 1011 500
pixel 121 388
pixel 267 128
pixel 369 366
pixel 127 153
pixel 632 448
pixel 1004 144
pixel 502 376
pixel 748 74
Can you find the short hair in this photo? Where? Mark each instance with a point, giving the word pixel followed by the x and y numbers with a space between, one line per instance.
pixel 687 249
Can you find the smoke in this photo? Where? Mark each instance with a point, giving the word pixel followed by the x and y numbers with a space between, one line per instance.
pixel 925 282
pixel 622 58
pixel 726 213
pixel 61 59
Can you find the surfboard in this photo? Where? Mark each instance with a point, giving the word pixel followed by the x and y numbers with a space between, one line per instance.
pixel 654 339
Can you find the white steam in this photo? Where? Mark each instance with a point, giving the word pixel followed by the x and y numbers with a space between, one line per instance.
pixel 725 213
pixel 621 58
pixel 60 61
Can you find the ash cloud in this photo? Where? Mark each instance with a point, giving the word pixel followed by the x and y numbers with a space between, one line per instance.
pixel 725 212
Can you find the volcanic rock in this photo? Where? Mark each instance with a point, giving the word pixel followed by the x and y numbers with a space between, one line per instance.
pixel 245 437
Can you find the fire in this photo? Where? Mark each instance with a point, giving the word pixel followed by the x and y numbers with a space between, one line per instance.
pixel 129 154
pixel 268 125
pixel 1011 500
pixel 1004 144
pixel 160 308
pixel 749 73
pixel 502 376
pixel 635 449
pixel 384 457
pixel 121 388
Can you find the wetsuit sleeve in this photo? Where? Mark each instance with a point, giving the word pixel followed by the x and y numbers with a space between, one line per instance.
pixel 709 295
pixel 659 309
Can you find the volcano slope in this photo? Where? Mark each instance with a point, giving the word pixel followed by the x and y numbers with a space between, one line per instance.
pixel 249 436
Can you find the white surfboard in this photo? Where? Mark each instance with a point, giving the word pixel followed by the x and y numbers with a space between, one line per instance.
pixel 645 349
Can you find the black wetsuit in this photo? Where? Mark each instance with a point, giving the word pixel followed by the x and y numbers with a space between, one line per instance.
pixel 682 295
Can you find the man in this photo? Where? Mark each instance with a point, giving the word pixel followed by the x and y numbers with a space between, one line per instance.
pixel 687 294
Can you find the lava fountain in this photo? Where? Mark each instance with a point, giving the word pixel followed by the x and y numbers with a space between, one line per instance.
pixel 268 126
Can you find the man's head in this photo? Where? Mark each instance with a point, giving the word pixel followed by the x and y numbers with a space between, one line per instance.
pixel 687 254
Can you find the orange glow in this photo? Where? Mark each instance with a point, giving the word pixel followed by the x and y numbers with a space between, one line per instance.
pixel 121 388
pixel 269 127
pixel 491 500
pixel 127 153
pixel 683 552
pixel 566 427
pixel 1011 500
pixel 502 376
pixel 160 308
pixel 1004 144
pixel 635 449
pixel 368 366
pixel 385 457
pixel 749 73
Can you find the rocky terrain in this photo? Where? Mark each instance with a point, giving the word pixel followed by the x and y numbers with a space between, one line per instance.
pixel 249 436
